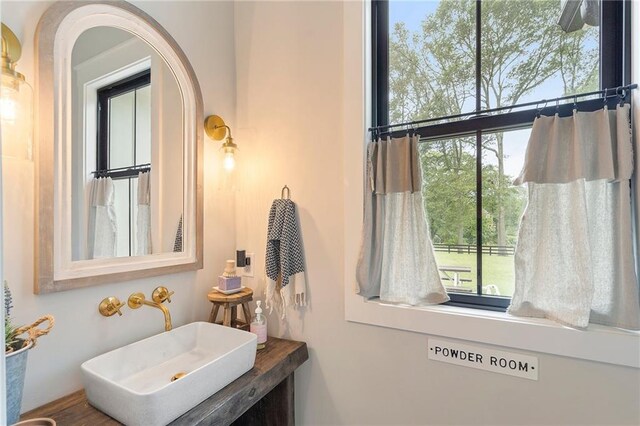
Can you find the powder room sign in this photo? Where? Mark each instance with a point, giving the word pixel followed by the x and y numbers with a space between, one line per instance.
pixel 513 364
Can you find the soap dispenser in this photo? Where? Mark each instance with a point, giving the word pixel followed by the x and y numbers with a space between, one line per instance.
pixel 259 326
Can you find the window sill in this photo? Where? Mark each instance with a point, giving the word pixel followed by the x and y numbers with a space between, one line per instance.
pixel 596 343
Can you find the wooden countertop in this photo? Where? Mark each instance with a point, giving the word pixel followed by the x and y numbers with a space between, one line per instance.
pixel 273 364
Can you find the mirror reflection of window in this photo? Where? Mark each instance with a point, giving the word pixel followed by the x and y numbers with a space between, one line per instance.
pixel 123 152
pixel 127 120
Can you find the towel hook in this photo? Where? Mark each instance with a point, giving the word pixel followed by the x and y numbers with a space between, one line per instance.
pixel 285 188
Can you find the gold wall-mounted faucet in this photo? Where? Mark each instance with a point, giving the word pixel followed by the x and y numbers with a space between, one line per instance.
pixel 160 294
pixel 110 306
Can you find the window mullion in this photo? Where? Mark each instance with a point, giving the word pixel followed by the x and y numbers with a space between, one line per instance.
pixel 380 45
pixel 478 56
pixel 479 211
pixel 135 126
pixel 130 215
pixel 612 60
pixel 479 149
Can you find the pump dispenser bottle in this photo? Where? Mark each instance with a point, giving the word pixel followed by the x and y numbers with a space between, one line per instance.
pixel 259 326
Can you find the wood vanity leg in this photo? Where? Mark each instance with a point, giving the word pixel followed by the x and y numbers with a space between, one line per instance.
pixel 280 403
pixel 277 408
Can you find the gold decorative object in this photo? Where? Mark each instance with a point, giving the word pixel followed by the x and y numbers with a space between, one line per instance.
pixel 110 306
pixel 137 300
pixel 216 129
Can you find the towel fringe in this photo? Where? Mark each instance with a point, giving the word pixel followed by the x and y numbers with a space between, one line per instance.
pixel 287 297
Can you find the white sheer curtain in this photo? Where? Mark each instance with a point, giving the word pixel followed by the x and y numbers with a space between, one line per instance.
pixel 102 219
pixel 396 261
pixel 143 221
pixel 574 259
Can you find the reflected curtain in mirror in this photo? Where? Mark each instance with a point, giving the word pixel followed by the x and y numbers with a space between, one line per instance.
pixel 143 232
pixel 102 230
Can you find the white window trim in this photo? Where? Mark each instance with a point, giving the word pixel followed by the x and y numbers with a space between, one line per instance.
pixel 596 343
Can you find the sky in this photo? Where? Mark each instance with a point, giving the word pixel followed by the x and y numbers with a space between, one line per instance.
pixel 412 13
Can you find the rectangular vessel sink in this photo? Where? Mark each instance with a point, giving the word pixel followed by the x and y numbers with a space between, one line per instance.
pixel 133 384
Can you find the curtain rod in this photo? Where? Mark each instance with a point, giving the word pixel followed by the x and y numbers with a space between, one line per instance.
pixel 618 91
pixel 126 168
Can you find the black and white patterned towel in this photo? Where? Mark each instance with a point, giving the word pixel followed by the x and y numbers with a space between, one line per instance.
pixel 284 260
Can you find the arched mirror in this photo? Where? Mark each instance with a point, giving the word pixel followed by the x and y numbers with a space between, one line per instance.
pixel 119 148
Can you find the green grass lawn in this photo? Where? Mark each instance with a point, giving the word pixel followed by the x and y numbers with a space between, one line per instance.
pixel 497 270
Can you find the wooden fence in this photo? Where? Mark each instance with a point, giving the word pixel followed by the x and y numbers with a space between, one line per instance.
pixel 462 248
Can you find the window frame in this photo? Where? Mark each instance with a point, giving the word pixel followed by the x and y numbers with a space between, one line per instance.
pixel 615 70
pixel 104 95
pixel 128 84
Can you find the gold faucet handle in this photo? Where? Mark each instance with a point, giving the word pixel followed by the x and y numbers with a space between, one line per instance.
pixel 136 300
pixel 160 294
pixel 110 306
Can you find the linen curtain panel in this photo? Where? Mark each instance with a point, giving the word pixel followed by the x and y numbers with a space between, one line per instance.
pixel 574 259
pixel 143 220
pixel 397 262
pixel 102 219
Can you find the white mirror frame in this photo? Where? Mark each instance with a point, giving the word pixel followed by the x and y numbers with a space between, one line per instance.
pixel 57 32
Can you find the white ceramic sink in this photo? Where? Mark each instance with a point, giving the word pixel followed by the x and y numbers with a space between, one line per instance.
pixel 133 384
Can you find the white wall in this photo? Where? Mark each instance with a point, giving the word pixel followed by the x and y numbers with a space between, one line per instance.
pixel 80 331
pixel 296 84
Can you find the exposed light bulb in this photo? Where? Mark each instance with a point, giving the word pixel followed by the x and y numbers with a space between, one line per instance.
pixel 8 108
pixel 229 161
pixel 16 118
pixel 16 102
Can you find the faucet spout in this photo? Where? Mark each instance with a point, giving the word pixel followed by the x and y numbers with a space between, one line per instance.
pixel 136 300
pixel 165 311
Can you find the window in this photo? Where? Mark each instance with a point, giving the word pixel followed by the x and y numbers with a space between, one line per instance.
pixel 124 148
pixel 436 59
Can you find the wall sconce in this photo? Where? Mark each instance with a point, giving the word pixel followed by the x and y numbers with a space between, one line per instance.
pixel 16 101
pixel 217 130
